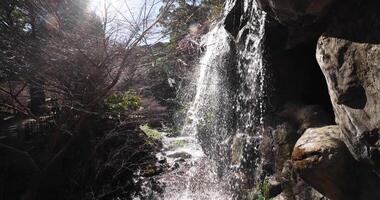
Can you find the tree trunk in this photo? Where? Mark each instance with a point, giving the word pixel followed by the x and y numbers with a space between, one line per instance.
pixel 37 99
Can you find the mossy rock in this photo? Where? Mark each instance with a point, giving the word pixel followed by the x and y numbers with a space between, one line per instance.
pixel 151 133
pixel 177 144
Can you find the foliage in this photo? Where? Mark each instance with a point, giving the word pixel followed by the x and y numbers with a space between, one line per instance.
pixel 121 102
pixel 263 191
pixel 184 23
pixel 150 132
pixel 57 49
pixel 186 13
pixel 119 154
pixel 260 197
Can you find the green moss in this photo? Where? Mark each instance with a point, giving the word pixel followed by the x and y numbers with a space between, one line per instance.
pixel 151 133
pixel 177 144
pixel 265 188
pixel 264 191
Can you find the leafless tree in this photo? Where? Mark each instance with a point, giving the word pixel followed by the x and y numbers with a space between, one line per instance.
pixel 78 65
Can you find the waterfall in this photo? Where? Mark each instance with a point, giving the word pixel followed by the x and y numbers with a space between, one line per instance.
pixel 251 70
pixel 224 122
pixel 223 111
pixel 250 105
pixel 209 92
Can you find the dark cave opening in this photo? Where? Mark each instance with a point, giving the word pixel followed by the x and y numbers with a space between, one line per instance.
pixel 296 77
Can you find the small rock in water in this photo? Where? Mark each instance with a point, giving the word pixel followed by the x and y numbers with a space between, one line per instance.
pixel 179 160
pixel 183 155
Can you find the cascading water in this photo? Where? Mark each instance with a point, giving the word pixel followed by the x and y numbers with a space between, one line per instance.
pixel 251 91
pixel 199 179
pixel 225 119
pixel 251 70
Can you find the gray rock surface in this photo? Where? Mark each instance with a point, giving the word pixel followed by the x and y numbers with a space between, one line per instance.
pixel 349 56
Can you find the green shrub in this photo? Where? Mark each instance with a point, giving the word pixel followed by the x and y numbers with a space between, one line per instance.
pixel 120 102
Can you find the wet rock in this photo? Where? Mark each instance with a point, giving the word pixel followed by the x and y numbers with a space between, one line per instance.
pixel 151 170
pixel 304 21
pixel 323 160
pixel 173 134
pixel 232 20
pixel 349 56
pixel 237 149
pixel 279 143
pixel 183 155
pixel 285 137
pixel 305 117
pixel 294 187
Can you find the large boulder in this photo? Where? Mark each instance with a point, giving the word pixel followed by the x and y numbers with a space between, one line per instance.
pixel 323 160
pixel 349 56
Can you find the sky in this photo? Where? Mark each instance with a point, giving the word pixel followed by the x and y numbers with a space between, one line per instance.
pixel 129 10
pixel 134 4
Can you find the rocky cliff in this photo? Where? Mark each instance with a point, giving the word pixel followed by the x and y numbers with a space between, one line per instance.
pixel 341 161
pixel 322 62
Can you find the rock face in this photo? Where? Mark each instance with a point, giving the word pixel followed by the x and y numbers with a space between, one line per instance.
pixel 349 56
pixel 323 160
pixel 287 11
pixel 340 161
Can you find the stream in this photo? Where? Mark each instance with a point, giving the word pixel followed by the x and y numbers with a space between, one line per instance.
pixel 191 175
